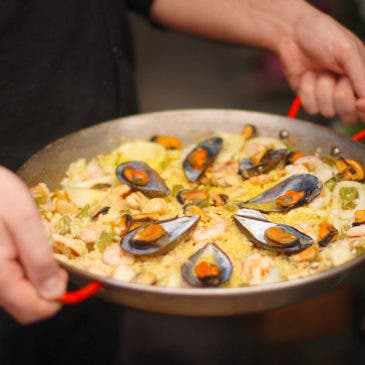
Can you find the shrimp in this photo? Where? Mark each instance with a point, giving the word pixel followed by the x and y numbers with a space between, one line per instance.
pixel 322 200
pixel 295 169
pixel 120 192
pixel 123 273
pixel 357 231
pixel 40 193
pixel 115 256
pixel 68 246
pixel 64 206
pixel 202 234
pixel 224 175
pixel 91 233
pixel 145 278
pixel 252 148
pixel 136 200
pixel 308 255
pixel 94 170
pixel 256 267
pixel 310 161
pixel 175 281
pixel 155 205
pixel 260 180
pixel 307 229
pixel 339 252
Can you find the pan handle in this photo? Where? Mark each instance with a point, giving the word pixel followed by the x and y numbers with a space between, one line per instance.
pixel 81 294
pixel 294 107
pixel 294 110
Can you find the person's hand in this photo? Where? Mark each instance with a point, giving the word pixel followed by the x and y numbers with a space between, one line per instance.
pixel 323 61
pixel 30 279
pixel 325 65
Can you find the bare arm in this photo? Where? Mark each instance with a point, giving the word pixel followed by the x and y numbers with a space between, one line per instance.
pixel 323 61
pixel 261 23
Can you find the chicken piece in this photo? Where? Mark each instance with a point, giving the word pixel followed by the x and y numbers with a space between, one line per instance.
pixel 203 234
pixel 69 247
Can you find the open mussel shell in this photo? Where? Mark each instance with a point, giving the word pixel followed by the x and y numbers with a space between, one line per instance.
pixel 203 155
pixel 173 232
pixel 209 266
pixel 139 176
pixel 257 232
pixel 267 163
pixel 251 213
pixel 309 185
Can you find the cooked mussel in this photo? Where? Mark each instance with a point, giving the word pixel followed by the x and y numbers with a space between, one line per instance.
pixel 327 234
pixel 169 142
pixel 259 164
pixel 156 238
pixel 218 200
pixel 124 224
pixel 350 170
pixel 273 236
pixel 293 156
pixel 101 211
pixel 290 193
pixel 141 177
pixel 203 155
pixel 209 266
pixel 359 218
pixel 251 213
pixel 192 209
pixel 192 196
pixel 249 131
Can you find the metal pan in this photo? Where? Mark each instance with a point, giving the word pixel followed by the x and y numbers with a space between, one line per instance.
pixel 50 163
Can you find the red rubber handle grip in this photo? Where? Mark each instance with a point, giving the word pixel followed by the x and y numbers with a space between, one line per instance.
pixel 294 107
pixel 81 294
pixel 359 135
pixel 294 110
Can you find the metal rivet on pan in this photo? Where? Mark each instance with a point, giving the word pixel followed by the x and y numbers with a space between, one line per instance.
pixel 283 134
pixel 335 151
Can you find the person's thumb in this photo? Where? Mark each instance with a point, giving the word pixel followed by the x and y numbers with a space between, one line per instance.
pixel 33 247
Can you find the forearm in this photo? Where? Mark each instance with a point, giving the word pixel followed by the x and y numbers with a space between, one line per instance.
pixel 261 23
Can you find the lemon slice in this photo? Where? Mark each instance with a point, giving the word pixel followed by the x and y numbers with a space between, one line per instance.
pixel 231 148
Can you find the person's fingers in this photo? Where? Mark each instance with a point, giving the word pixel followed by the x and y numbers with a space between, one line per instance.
pixel 361 116
pixel 17 295
pixel 27 232
pixel 306 93
pixel 345 101
pixel 360 107
pixel 21 300
pixel 324 92
pixel 353 61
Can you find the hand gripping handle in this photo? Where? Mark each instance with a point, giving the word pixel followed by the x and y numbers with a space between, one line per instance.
pixel 81 294
pixel 295 108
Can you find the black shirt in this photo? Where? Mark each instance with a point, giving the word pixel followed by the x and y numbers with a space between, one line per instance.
pixel 64 64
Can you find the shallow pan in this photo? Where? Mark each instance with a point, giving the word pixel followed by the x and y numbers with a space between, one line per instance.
pixel 49 165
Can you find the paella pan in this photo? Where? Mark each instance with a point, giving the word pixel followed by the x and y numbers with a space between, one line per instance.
pixel 50 164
